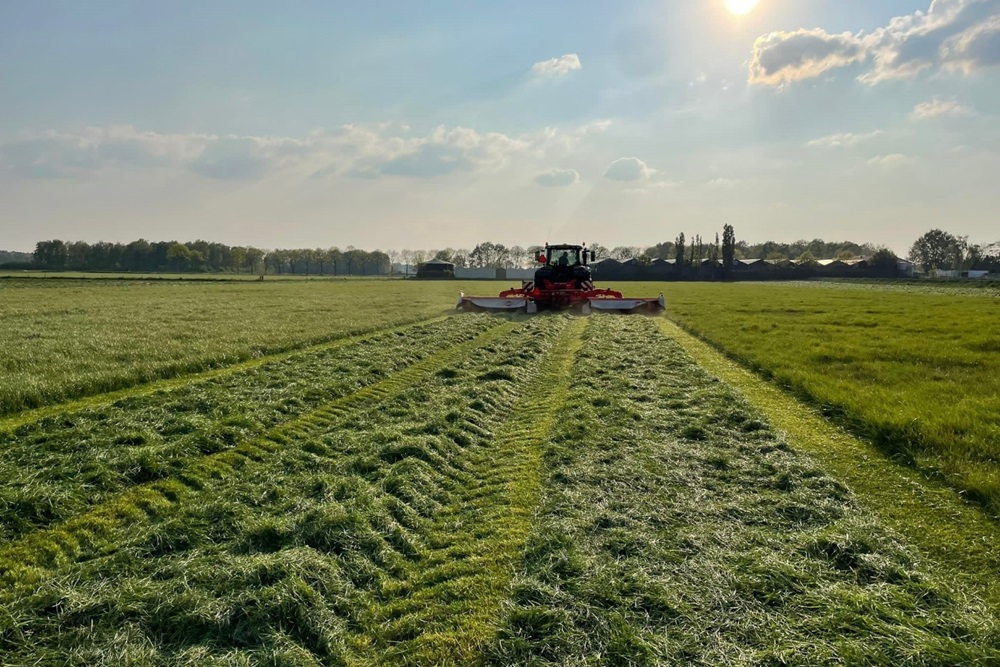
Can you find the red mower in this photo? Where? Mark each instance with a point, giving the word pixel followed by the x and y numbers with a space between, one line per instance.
pixel 561 283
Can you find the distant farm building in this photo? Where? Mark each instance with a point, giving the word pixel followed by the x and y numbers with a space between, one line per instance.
pixel 975 275
pixel 436 269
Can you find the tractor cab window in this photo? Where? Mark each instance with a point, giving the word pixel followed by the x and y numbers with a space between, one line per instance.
pixel 564 257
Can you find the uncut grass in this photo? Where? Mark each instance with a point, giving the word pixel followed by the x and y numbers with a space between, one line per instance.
pixel 56 467
pixel 64 339
pixel 311 560
pixel 676 527
pixel 916 373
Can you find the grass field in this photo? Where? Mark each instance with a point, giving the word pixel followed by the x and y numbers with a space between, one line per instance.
pixel 917 373
pixel 461 490
pixel 63 339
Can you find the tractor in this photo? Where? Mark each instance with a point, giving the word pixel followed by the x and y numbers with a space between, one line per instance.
pixel 562 282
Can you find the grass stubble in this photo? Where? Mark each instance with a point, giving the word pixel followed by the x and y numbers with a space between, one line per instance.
pixel 66 339
pixel 678 527
pixel 518 494
pixel 915 372
pixel 384 535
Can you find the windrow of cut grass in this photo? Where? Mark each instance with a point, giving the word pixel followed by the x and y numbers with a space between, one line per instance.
pixel 917 374
pixel 677 527
pixel 56 467
pixel 67 339
pixel 315 551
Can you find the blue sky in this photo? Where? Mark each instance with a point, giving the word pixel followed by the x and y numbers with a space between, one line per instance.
pixel 401 124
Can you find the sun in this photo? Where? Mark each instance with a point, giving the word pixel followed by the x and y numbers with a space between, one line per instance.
pixel 741 7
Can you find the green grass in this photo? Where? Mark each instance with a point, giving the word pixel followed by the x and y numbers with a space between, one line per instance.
pixel 677 527
pixel 473 489
pixel 916 373
pixel 66 339
pixel 81 458
pixel 953 533
pixel 380 533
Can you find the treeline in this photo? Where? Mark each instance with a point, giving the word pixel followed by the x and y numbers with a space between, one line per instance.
pixel 935 250
pixel 203 256
pixel 691 251
pixel 938 250
pixel 15 260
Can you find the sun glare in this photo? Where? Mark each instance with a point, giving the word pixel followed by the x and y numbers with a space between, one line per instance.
pixel 741 7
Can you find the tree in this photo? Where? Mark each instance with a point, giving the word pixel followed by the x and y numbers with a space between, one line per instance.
pixel 935 250
pixel 807 259
pixel 51 254
pixel 728 248
pixel 844 254
pixel 253 258
pixel 622 253
pixel 679 248
pixel 179 254
pixel 597 251
pixel 516 256
pixel 407 257
pixel 884 263
pixel 334 257
pixel 239 258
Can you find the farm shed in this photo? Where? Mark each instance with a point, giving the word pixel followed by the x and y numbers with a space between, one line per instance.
pixel 749 265
pixel 436 269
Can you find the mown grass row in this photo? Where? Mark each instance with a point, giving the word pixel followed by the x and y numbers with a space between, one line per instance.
pixel 56 467
pixel 957 536
pixel 311 552
pixel 62 340
pixel 677 527
pixel 93 533
pixel 917 374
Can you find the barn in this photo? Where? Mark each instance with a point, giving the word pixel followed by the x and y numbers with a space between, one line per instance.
pixel 436 269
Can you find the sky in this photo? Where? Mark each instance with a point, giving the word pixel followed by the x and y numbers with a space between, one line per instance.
pixel 397 124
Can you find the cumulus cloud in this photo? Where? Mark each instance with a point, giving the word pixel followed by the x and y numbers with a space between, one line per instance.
pixel 938 108
pixel 557 66
pixel 627 169
pixel 360 151
pixel 961 35
pixel 444 151
pixel 890 161
pixel 783 57
pixel 557 178
pixel 67 155
pixel 843 140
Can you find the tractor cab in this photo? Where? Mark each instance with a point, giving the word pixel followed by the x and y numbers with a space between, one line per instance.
pixel 563 264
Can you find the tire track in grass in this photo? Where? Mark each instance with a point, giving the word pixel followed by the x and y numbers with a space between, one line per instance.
pixel 11 422
pixel 954 533
pixel 56 468
pixel 310 559
pixel 677 527
pixel 36 556
pixel 445 613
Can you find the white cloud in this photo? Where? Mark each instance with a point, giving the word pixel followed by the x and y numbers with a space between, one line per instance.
pixel 722 183
pixel 938 108
pixel 962 35
pixel 557 66
pixel 557 178
pixel 369 152
pixel 627 169
pixel 783 57
pixel 890 161
pixel 65 155
pixel 843 140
